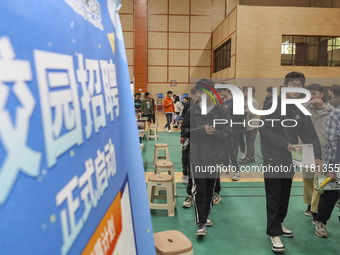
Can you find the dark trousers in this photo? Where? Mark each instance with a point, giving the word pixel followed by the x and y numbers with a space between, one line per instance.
pixel 277 200
pixel 238 142
pixel 250 140
pixel 149 117
pixel 326 205
pixel 168 116
pixel 153 118
pixel 202 192
pixel 218 185
pixel 232 154
pixel 185 159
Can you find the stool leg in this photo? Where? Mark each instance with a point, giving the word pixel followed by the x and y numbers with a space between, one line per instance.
pixel 170 200
pixel 167 157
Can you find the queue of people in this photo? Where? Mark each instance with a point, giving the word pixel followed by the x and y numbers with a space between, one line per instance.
pixel 205 144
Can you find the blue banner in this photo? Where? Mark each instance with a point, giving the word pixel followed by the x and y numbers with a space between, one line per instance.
pixel 71 172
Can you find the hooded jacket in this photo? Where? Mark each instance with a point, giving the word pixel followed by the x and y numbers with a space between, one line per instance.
pixel 319 118
pixel 206 149
pixel 275 137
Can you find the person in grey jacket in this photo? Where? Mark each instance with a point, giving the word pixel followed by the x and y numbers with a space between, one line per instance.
pixel 320 112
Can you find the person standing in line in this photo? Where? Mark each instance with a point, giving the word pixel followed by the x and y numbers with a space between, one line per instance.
pixel 138 102
pixel 320 111
pixel 251 131
pixel 276 146
pixel 207 144
pixel 169 109
pixel 334 94
pixel 178 110
pixel 269 96
pixel 332 161
pixel 153 117
pixel 232 146
pixel 147 107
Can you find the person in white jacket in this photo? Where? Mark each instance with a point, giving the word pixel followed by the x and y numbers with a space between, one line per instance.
pixel 178 110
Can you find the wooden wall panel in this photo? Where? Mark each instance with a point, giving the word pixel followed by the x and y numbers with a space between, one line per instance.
pixel 200 58
pixel 180 74
pixel 129 56
pixel 140 45
pixel 157 23
pixel 300 3
pixel 265 55
pixel 128 39
pixel 157 57
pixel 225 28
pixel 232 22
pixel 158 6
pixel 127 6
pixel 178 6
pixel 200 24
pixel 218 12
pixel 179 23
pixel 127 22
pixel 199 72
pixel 155 88
pixel 178 58
pixel 178 40
pixel 200 41
pixel 131 73
pixel 157 40
pixel 157 74
pixel 199 7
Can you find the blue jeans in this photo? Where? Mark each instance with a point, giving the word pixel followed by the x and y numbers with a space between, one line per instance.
pixel 168 119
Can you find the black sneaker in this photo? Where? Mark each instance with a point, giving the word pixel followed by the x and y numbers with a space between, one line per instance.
pixel 308 211
pixel 201 230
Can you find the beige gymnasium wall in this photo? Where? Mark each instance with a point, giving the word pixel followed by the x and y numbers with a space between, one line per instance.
pixel 179 42
pixel 126 17
pixel 225 31
pixel 257 44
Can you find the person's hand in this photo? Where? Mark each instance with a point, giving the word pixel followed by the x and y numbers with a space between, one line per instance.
pixel 317 103
pixel 209 129
pixel 290 147
pixel 318 164
pixel 182 140
pixel 332 176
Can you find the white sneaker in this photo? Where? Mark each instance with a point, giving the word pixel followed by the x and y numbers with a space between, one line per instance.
pixel 277 245
pixel 287 232
pixel 185 179
pixel 236 177
pixel 169 131
pixel 243 156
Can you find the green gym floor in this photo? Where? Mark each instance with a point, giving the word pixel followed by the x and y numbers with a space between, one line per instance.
pixel 239 219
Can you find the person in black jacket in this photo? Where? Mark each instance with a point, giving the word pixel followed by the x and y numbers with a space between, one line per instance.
pixel 276 145
pixel 207 151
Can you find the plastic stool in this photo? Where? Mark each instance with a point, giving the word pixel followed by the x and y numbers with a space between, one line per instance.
pixel 172 242
pixel 166 166
pixel 165 182
pixel 154 134
pixel 159 147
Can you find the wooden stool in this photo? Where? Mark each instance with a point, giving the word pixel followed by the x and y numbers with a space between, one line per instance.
pixel 159 147
pixel 165 182
pixel 154 134
pixel 166 166
pixel 172 242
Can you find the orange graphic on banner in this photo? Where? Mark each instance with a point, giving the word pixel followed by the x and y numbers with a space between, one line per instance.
pixel 105 237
